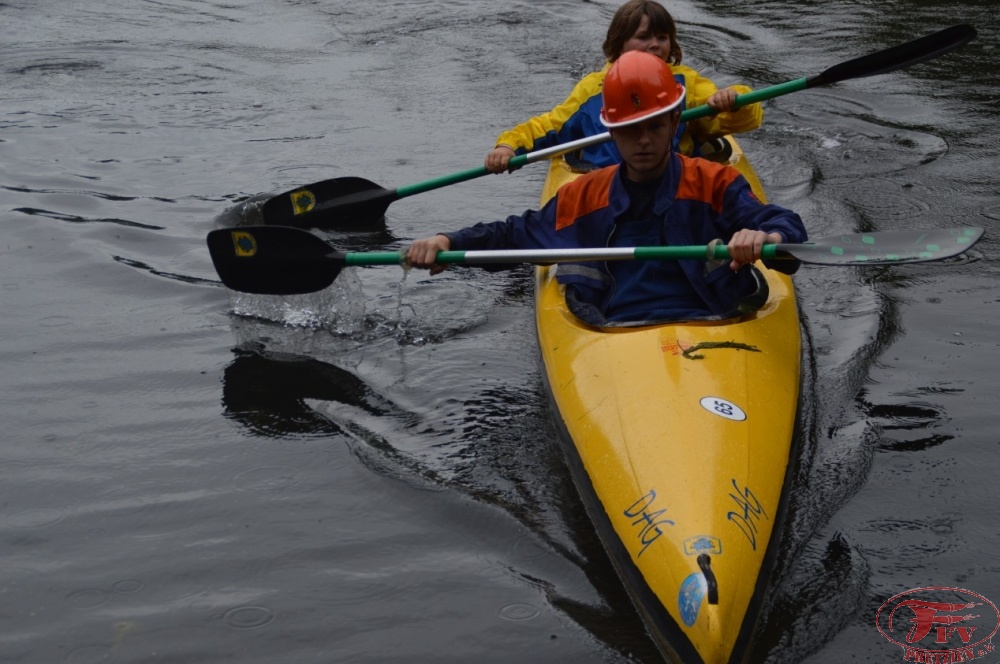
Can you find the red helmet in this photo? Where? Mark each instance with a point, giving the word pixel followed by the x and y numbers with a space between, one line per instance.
pixel 638 86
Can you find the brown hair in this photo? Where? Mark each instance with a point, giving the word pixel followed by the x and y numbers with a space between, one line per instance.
pixel 626 21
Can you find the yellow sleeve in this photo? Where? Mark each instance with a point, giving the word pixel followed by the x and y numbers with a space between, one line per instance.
pixel 699 89
pixel 559 125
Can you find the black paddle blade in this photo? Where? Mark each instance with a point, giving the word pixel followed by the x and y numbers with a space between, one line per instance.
pixel 273 260
pixel 347 203
pixel 897 57
pixel 885 248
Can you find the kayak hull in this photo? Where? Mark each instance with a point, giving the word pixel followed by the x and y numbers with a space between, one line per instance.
pixel 680 439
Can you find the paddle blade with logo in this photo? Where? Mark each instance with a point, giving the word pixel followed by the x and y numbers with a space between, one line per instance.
pixel 346 203
pixel 270 261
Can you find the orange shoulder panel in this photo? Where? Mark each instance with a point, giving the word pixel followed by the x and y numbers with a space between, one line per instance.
pixel 705 181
pixel 583 195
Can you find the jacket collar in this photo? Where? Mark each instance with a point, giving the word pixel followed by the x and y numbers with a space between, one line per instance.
pixel 666 193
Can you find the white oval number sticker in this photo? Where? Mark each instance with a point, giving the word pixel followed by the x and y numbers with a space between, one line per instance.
pixel 723 408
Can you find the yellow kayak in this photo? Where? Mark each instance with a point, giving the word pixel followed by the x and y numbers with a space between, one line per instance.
pixel 679 437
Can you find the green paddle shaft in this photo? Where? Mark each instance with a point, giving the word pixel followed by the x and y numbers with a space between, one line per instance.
pixel 515 162
pixel 885 248
pixel 749 98
pixel 542 256
pixel 882 62
pixel 531 157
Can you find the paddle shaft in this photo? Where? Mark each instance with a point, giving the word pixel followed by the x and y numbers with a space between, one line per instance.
pixel 881 62
pixel 531 157
pixel 515 162
pixel 547 256
pixel 889 247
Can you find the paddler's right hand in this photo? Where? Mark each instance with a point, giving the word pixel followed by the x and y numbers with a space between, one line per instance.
pixel 498 158
pixel 423 253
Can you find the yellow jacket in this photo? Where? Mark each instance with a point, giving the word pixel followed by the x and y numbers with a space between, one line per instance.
pixel 579 117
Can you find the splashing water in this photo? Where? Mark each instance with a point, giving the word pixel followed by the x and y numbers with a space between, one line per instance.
pixel 339 308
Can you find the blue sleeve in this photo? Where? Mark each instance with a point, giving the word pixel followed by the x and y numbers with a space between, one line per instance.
pixel 577 126
pixel 572 119
pixel 744 210
pixel 531 230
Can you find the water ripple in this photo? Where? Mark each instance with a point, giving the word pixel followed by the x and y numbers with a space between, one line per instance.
pixel 248 617
pixel 77 219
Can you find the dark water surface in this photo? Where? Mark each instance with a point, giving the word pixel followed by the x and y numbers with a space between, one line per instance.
pixel 369 474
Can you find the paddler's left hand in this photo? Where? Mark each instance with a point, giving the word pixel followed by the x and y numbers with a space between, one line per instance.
pixel 746 245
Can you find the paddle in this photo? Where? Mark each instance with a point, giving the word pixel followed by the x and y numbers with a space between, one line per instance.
pixel 281 260
pixel 351 203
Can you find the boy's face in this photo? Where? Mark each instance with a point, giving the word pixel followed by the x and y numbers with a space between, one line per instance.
pixel 645 147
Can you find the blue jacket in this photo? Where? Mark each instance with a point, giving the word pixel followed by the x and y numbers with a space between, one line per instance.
pixel 698 201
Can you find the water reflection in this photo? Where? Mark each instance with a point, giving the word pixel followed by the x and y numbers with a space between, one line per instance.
pixel 267 393
pixel 482 447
